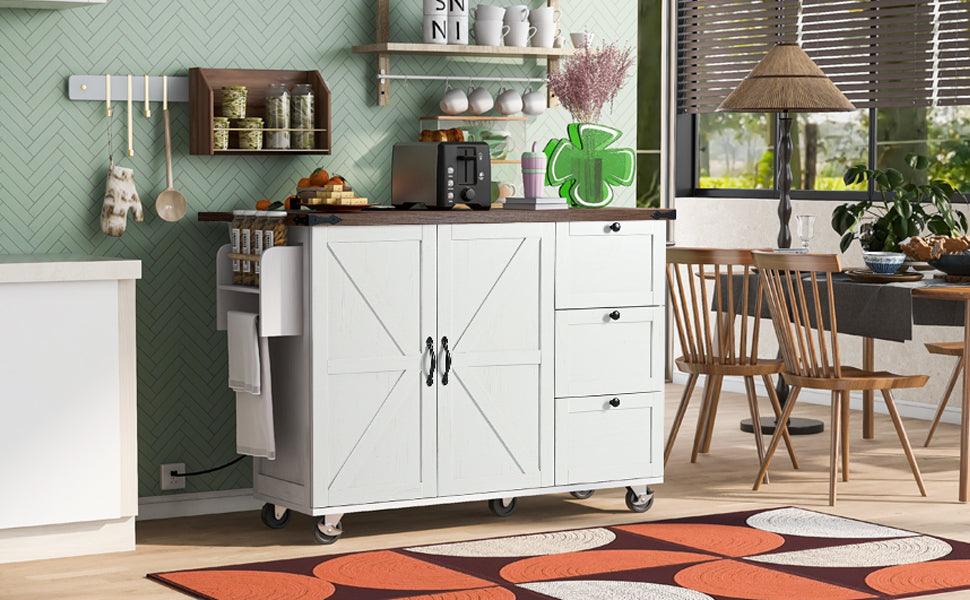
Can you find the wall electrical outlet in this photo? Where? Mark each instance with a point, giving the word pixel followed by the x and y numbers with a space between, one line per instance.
pixel 168 481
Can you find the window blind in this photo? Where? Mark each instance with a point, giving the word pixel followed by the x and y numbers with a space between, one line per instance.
pixel 880 53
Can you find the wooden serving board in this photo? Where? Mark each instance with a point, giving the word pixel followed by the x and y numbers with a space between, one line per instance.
pixel 867 276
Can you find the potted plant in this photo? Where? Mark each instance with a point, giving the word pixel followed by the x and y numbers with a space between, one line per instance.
pixel 584 165
pixel 900 210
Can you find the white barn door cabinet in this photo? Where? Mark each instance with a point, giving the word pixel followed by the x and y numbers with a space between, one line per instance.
pixel 452 360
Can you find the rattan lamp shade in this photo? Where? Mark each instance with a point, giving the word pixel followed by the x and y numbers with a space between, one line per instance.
pixel 786 80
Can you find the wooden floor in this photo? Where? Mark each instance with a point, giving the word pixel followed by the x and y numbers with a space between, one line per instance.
pixel 881 490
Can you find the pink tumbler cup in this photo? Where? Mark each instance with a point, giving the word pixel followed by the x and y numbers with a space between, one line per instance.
pixel 534 173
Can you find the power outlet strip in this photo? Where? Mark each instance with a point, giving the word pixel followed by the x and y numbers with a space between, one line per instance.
pixel 168 481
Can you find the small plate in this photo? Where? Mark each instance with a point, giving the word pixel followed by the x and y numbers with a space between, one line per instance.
pixel 867 276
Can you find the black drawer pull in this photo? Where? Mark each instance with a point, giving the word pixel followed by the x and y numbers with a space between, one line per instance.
pixel 434 363
pixel 615 403
pixel 615 227
pixel 615 315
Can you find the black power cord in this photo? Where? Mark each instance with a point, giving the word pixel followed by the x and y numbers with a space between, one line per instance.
pixel 207 471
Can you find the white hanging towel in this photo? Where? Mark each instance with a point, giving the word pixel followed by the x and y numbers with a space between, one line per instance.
pixel 243 335
pixel 254 414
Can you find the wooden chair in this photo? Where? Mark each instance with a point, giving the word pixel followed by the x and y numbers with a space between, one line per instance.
pixel 945 349
pixel 812 359
pixel 719 349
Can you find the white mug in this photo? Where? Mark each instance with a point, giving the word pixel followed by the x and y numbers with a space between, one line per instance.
pixel 519 35
pixel 435 7
pixel 509 102
pixel 436 29
pixel 489 12
pixel 581 40
pixel 458 30
pixel 534 103
pixel 519 12
pixel 544 14
pixel 480 101
pixel 454 102
pixel 547 35
pixel 458 8
pixel 490 33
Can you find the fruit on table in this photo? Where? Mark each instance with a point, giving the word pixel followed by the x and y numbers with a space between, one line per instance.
pixel 338 180
pixel 263 204
pixel 304 183
pixel 319 178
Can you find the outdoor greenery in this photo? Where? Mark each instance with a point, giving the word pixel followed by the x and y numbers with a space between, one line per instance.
pixel 904 208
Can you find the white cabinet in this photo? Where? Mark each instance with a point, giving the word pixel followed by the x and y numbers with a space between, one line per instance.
pixel 495 315
pixel 446 362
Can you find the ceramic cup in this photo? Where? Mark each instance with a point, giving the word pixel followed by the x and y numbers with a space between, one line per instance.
pixel 435 7
pixel 544 14
pixel 581 40
pixel 520 34
pixel 508 102
pixel 480 101
pixel 534 103
pixel 458 8
pixel 489 12
pixel 454 102
pixel 502 190
pixel 458 33
pixel 490 33
pixel 519 12
pixel 436 29
pixel 547 36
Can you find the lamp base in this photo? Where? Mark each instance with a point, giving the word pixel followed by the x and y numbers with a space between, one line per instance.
pixel 796 426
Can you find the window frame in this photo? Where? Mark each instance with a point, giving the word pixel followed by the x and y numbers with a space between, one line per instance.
pixel 687 175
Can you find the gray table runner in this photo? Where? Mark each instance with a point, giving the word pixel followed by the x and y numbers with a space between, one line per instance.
pixel 885 311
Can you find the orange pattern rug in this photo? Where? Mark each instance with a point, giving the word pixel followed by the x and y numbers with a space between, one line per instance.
pixel 778 554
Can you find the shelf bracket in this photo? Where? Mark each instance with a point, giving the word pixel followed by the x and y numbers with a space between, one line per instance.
pixel 552 64
pixel 383 59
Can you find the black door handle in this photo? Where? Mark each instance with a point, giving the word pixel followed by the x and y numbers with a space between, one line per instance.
pixel 434 363
pixel 447 351
pixel 615 227
pixel 615 315
pixel 615 403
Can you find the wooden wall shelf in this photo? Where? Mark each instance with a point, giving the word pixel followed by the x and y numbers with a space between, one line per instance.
pixel 205 102
pixel 383 48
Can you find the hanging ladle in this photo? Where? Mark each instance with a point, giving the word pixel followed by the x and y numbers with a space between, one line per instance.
pixel 170 204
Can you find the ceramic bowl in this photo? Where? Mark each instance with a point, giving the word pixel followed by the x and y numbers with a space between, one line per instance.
pixel 884 263
pixel 953 264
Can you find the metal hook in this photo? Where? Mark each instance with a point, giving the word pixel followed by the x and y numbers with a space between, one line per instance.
pixel 148 108
pixel 107 95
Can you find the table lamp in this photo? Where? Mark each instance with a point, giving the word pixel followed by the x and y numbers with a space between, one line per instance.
pixel 786 81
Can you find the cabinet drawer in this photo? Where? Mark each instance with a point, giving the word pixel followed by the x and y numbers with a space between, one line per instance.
pixel 596 441
pixel 597 354
pixel 597 266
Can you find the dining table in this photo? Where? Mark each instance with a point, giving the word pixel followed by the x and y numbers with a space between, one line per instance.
pixel 891 311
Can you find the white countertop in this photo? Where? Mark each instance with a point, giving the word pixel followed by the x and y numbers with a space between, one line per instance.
pixel 28 268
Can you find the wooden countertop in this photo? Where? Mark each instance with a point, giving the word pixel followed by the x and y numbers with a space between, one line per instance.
pixel 458 216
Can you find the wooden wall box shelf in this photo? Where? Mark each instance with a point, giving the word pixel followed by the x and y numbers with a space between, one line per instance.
pixel 205 102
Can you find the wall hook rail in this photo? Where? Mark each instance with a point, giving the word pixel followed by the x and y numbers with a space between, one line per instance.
pixel 98 88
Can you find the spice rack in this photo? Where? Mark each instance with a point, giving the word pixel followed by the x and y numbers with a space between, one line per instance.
pixel 278 300
pixel 205 102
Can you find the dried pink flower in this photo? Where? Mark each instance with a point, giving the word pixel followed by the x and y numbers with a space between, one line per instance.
pixel 589 79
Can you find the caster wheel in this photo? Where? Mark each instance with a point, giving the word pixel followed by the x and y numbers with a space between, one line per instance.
pixel 269 518
pixel 326 535
pixel 582 495
pixel 500 509
pixel 635 504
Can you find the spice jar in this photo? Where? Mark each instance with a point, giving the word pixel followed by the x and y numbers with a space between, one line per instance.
pixel 234 101
pixel 251 134
pixel 256 231
pixel 235 241
pixel 274 230
pixel 302 117
pixel 246 245
pixel 278 117
pixel 220 133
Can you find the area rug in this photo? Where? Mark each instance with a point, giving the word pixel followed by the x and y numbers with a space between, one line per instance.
pixel 780 554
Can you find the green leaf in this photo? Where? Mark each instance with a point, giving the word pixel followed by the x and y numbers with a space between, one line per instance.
pixel 917 162
pixel 846 242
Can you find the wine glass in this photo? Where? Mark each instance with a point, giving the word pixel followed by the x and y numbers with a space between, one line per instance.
pixel 806 229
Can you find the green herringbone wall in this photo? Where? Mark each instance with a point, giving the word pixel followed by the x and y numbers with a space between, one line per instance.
pixel 53 156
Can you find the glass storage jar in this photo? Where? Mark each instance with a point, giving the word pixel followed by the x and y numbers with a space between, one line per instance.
pixel 220 133
pixel 251 133
pixel 302 117
pixel 234 101
pixel 278 117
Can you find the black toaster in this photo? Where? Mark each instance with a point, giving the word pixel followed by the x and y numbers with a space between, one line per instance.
pixel 441 175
